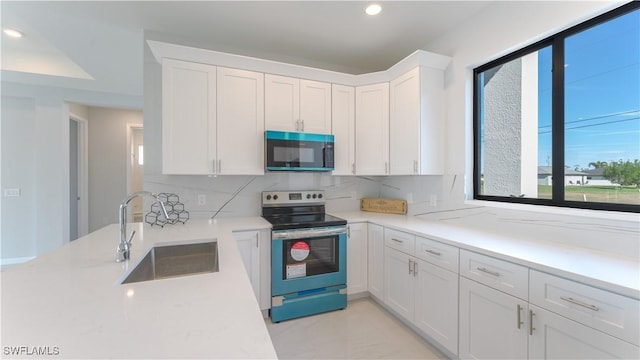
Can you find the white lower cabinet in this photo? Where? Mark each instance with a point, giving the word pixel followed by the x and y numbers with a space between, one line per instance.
pixel 436 305
pixel 423 293
pixel 254 247
pixel 493 325
pixel 375 273
pixel 357 258
pixel 556 337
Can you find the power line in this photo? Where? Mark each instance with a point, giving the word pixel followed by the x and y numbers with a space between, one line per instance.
pixel 595 117
pixel 590 125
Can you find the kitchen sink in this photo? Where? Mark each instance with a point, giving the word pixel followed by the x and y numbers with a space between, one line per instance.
pixel 176 260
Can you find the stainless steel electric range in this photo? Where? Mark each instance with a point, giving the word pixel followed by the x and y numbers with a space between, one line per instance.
pixel 308 254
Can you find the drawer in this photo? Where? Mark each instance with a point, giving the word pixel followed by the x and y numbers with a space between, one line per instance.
pixel 499 274
pixel 437 253
pixel 611 313
pixel 402 241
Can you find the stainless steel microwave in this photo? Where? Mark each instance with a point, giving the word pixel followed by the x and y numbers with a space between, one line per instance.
pixel 297 151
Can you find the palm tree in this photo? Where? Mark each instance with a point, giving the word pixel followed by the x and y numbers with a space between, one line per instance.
pixel 598 164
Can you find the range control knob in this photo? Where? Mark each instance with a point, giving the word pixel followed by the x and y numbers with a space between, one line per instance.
pixel 319 196
pixel 275 197
pixel 308 196
pixel 314 196
pixel 268 197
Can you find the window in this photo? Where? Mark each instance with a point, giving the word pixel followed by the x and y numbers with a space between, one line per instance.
pixel 558 123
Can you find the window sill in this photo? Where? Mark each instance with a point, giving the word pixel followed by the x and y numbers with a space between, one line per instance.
pixel 597 214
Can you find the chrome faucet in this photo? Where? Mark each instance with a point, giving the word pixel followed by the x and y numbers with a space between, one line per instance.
pixel 124 246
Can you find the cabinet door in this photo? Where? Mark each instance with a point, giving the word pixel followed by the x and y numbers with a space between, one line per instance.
pixel 248 243
pixel 281 102
pixel 357 258
pixel 372 129
pixel 436 305
pixel 240 142
pixel 404 124
pixel 416 132
pixel 188 117
pixel 556 337
pixel 343 126
pixel 376 260
pixel 493 325
pixel 399 282
pixel 315 107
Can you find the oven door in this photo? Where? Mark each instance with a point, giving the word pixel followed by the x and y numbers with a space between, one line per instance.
pixel 308 259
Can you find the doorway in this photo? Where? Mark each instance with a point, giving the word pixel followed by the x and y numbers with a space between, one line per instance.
pixel 78 178
pixel 136 170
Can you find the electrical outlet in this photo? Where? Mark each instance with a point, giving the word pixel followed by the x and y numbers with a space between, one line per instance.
pixel 410 198
pixel 353 195
pixel 433 200
pixel 202 199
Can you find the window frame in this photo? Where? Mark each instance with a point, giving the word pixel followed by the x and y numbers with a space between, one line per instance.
pixel 556 42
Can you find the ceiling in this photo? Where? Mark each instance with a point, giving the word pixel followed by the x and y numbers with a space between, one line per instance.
pixel 98 45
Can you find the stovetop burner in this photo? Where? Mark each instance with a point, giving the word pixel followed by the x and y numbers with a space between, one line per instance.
pixel 297 209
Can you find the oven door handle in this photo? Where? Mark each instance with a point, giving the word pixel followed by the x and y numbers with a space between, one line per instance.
pixel 307 232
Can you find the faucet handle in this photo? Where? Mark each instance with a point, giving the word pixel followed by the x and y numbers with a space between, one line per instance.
pixel 131 237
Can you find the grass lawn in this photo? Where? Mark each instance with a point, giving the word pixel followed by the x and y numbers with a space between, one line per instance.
pixel 609 194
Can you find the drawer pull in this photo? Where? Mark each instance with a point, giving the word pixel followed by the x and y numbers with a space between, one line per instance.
pixel 580 303
pixel 396 240
pixel 485 270
pixel 433 252
pixel 409 266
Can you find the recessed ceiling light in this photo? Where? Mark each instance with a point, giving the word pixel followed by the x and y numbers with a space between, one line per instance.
pixel 373 9
pixel 13 33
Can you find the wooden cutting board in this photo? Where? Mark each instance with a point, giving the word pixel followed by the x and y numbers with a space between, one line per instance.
pixel 387 206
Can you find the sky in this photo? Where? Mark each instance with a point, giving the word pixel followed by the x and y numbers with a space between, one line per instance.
pixel 602 95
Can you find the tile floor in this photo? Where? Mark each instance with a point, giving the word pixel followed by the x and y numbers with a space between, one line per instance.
pixel 364 330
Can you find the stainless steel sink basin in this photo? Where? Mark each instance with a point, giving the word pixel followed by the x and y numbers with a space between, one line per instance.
pixel 176 260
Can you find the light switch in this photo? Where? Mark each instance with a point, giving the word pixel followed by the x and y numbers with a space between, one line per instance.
pixel 12 192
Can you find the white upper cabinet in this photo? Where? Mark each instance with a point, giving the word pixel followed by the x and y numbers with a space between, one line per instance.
pixel 212 120
pixel 188 123
pixel 343 124
pixel 240 120
pixel 372 129
pixel 416 123
pixel 293 104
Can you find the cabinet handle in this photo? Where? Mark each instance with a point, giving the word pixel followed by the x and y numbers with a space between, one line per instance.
pixel 519 316
pixel 580 303
pixel 415 166
pixel 214 166
pixel 353 168
pixel 409 266
pixel 302 125
pixel 414 268
pixel 398 241
pixel 349 232
pixel 531 328
pixel 257 238
pixel 433 252
pixel 219 166
pixel 485 270
pixel 386 167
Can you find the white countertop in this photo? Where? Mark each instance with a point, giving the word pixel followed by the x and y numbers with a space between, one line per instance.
pixel 607 271
pixel 70 300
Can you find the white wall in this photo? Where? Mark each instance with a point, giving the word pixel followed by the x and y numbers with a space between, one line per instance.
pixel 35 158
pixel 108 162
